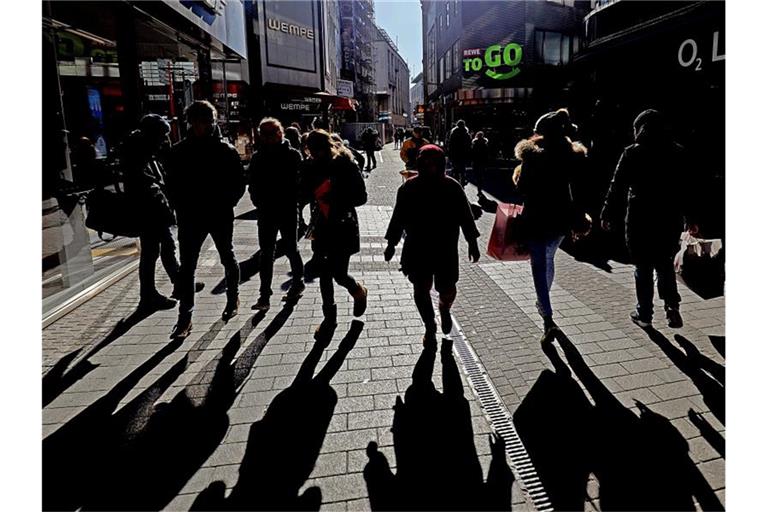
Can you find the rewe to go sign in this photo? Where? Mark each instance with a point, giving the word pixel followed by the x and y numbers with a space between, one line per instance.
pixel 492 58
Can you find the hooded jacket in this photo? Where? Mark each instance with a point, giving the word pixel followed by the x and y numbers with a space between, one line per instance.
pixel 144 180
pixel 544 180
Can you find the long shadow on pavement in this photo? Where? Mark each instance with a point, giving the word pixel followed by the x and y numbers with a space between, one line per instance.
pixel 707 375
pixel 641 463
pixel 284 445
pixel 437 462
pixel 141 457
pixel 58 379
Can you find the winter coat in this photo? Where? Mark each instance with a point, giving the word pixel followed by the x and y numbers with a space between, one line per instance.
pixel 430 213
pixel 459 144
pixel 273 180
pixel 410 150
pixel 480 153
pixel 648 192
pixel 335 230
pixel 205 179
pixel 544 181
pixel 369 139
pixel 144 180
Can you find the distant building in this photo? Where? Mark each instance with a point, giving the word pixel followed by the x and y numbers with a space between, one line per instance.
pixel 417 99
pixel 357 36
pixel 392 78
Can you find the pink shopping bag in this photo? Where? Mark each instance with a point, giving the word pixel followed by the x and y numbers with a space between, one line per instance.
pixel 506 240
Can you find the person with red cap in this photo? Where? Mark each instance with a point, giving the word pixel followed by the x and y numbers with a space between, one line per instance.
pixel 430 209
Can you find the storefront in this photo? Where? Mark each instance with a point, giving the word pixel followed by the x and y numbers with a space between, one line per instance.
pixel 105 64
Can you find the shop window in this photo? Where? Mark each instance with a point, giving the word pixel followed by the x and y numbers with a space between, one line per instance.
pixel 448 64
pixel 552 48
pixel 456 58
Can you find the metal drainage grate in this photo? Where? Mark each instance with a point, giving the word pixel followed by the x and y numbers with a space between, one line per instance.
pixel 500 420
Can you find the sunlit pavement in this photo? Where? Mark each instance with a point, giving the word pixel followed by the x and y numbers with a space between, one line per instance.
pixel 574 404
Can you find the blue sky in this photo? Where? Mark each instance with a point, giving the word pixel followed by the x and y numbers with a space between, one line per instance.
pixel 402 21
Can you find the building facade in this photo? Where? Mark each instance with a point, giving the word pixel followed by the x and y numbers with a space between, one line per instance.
pixel 497 64
pixel 357 36
pixel 105 64
pixel 416 96
pixel 392 80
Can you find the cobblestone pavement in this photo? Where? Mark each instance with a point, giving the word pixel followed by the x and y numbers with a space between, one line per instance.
pixel 89 359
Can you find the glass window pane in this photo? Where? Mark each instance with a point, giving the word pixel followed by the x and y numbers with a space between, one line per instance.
pixel 552 48
pixel 566 49
pixel 539 46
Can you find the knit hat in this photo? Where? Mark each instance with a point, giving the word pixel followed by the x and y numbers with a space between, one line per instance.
pixel 153 124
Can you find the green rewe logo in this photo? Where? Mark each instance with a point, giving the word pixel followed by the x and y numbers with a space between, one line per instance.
pixel 495 57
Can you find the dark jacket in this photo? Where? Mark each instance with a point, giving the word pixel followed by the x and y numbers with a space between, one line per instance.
pixel 480 152
pixel 430 213
pixel 144 180
pixel 339 232
pixel 369 139
pixel 459 144
pixel 273 180
pixel 648 194
pixel 544 181
pixel 205 178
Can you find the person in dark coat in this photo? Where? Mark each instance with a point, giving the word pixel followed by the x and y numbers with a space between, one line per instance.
pixel 429 210
pixel 293 136
pixel 648 191
pixel 274 190
pixel 544 181
pixel 334 186
pixel 144 180
pixel 205 182
pixel 369 138
pixel 480 157
pixel 459 151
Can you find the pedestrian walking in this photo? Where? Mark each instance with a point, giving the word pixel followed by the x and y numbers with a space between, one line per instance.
pixel 399 137
pixel 459 151
pixel 410 148
pixel 359 158
pixel 648 193
pixel 544 180
pixel 144 180
pixel 273 185
pixel 429 210
pixel 370 139
pixel 335 187
pixel 205 182
pixel 480 157
pixel 293 136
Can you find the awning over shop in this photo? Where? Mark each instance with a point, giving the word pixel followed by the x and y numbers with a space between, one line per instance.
pixel 339 103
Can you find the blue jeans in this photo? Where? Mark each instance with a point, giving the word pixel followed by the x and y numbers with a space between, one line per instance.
pixel 543 269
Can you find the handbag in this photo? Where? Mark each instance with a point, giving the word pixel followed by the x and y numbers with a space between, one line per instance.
pixel 701 265
pixel 112 212
pixel 507 240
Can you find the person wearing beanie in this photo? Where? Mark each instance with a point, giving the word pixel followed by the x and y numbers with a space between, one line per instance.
pixel 429 210
pixel 544 180
pixel 648 195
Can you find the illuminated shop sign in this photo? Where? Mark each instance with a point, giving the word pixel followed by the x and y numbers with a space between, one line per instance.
pixel 290 28
pixel 497 62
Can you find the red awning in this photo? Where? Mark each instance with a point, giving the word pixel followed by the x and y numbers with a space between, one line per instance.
pixel 343 104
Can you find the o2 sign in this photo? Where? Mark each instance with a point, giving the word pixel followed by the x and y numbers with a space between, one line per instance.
pixel 493 58
pixel 688 52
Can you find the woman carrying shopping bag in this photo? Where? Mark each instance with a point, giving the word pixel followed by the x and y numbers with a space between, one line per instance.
pixel 543 179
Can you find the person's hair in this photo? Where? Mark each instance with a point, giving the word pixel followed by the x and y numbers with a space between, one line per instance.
pixel 321 139
pixel 460 123
pixel 200 110
pixel 417 129
pixel 293 135
pixel 272 121
pixel 479 135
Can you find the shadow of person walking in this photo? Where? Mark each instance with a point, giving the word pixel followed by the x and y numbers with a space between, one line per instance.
pixel 690 361
pixel 284 445
pixel 437 462
pixel 641 463
pixel 142 456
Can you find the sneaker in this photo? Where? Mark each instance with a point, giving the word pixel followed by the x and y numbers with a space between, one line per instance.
pixel 262 304
pixel 183 326
pixel 360 301
pixel 674 320
pixel 230 309
pixel 446 322
pixel 156 303
pixel 641 321
pixel 295 291
pixel 550 330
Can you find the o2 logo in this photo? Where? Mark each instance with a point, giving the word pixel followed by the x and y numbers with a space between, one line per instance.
pixel 493 58
pixel 688 53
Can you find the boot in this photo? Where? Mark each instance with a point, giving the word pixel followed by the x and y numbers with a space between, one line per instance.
pixel 360 297
pixel 183 326
pixel 674 320
pixel 231 308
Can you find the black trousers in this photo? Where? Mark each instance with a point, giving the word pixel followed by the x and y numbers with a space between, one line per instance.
pixel 268 228
pixel 371 156
pixel 335 267
pixel 666 282
pixel 191 237
pixel 156 243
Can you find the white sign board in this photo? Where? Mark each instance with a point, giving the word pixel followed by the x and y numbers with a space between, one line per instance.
pixel 344 88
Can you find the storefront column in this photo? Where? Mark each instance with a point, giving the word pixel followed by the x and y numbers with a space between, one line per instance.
pixel 128 61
